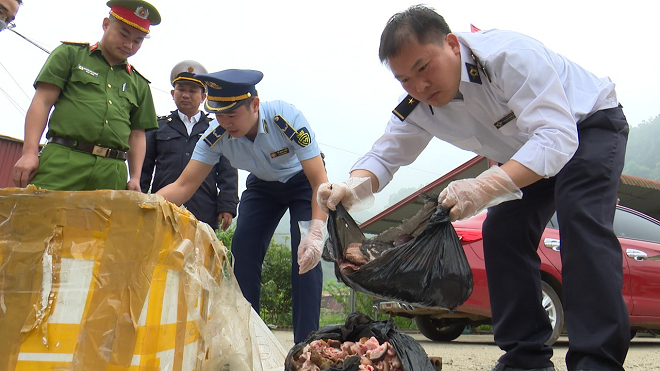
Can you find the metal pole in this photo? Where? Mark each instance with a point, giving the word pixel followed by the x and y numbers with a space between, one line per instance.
pixel 352 297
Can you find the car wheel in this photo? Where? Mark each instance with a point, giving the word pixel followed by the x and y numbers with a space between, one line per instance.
pixel 555 311
pixel 440 329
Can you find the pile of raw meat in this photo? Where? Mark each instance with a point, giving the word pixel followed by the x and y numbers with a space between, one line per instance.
pixel 357 254
pixel 366 354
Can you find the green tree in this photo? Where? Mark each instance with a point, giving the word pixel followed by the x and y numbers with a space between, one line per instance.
pixel 342 294
pixel 643 150
pixel 226 236
pixel 276 292
pixel 363 303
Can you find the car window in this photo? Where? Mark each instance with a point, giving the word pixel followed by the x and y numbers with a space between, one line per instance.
pixel 627 225
pixel 630 225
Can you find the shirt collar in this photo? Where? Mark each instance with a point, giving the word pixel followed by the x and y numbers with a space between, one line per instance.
pixel 262 124
pixel 193 120
pixel 96 48
pixel 466 57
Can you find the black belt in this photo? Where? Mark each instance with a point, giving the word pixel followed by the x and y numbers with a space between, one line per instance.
pixel 89 148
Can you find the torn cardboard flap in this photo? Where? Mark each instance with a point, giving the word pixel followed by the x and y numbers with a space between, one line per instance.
pixel 120 280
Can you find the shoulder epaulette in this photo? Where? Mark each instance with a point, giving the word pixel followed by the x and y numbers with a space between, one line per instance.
pixel 405 107
pixel 80 43
pixel 481 67
pixel 214 136
pixel 302 136
pixel 139 74
pixel 165 117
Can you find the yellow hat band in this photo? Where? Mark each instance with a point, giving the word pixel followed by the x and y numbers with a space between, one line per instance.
pixel 188 79
pixel 132 24
pixel 230 99
pixel 218 109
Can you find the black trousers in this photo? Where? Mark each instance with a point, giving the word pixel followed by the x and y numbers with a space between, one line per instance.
pixel 262 205
pixel 584 194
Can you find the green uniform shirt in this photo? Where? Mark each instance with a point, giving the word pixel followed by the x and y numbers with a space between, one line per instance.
pixel 99 103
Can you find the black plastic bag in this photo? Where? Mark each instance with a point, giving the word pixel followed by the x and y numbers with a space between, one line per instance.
pixel 431 270
pixel 412 356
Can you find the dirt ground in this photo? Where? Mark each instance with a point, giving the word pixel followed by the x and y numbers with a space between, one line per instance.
pixel 479 352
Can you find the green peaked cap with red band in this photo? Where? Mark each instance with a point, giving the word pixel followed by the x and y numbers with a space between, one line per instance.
pixel 138 14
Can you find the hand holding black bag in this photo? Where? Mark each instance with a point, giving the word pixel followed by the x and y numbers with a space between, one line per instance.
pixel 431 270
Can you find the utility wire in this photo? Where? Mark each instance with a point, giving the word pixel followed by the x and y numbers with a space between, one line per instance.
pixel 12 101
pixel 13 79
pixel 11 26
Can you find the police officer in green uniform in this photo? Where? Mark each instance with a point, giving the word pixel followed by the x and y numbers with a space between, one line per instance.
pixel 102 108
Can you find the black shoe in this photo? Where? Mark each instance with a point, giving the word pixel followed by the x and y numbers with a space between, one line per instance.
pixel 502 367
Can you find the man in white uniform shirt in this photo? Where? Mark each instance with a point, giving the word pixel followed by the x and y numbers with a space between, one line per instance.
pixel 560 136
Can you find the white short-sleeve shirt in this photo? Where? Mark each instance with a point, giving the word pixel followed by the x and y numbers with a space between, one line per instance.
pixel 284 139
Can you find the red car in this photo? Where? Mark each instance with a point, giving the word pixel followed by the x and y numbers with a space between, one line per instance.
pixel 639 235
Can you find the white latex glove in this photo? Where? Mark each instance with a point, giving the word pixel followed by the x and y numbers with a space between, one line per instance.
pixel 355 194
pixel 313 235
pixel 467 197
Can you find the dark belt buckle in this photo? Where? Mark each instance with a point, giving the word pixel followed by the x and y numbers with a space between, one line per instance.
pixel 100 151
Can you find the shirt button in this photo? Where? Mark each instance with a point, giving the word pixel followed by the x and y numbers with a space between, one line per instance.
pixel 106 122
pixel 188 154
pixel 110 101
pixel 112 69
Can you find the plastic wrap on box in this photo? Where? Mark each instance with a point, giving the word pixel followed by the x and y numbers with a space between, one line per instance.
pixel 119 280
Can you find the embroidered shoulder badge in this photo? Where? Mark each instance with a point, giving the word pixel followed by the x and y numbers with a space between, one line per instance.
pixel 303 137
pixel 505 120
pixel 405 107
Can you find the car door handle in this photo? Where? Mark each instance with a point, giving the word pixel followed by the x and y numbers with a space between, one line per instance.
pixel 637 254
pixel 552 243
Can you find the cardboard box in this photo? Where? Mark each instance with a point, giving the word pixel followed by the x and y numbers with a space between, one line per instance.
pixel 119 280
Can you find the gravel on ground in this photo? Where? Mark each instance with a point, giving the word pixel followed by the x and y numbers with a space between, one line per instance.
pixel 479 353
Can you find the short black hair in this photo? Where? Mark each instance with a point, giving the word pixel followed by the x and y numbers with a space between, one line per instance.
pixel 248 101
pixel 420 21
